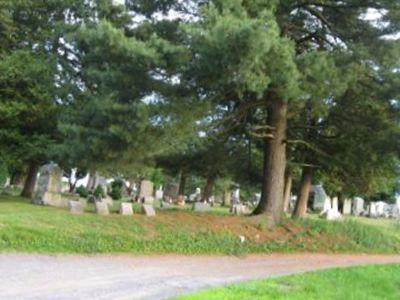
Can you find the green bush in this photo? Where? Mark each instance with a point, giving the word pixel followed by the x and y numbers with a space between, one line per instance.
pixel 82 191
pixel 99 192
pixel 116 189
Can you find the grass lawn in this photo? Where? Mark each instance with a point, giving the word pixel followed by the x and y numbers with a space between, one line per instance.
pixel 358 283
pixel 31 228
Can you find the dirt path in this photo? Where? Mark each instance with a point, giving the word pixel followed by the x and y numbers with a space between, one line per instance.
pixel 30 276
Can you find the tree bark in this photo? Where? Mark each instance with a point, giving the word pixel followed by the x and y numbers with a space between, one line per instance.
pixel 227 197
pixel 300 210
pixel 182 182
pixel 288 189
pixel 271 202
pixel 30 182
pixel 208 188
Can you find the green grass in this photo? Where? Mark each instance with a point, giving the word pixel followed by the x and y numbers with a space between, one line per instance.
pixel 357 283
pixel 31 228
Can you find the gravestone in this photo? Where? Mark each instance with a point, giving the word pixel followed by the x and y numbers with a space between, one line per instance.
pixel 75 207
pixel 148 200
pixel 83 202
pixel 159 193
pixel 239 209
pixel 146 189
pixel 372 212
pixel 101 208
pixel 201 207
pixel 171 191
pixel 347 207
pixel 320 201
pixel 335 204
pixel 235 199
pixel 48 191
pixel 148 210
pixel 180 200
pixel 196 196
pixel 358 206
pixel 126 209
pixel 108 200
pixel 380 207
pixel 165 205
pixel 331 215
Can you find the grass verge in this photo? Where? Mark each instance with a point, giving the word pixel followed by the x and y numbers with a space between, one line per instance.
pixel 357 283
pixel 30 228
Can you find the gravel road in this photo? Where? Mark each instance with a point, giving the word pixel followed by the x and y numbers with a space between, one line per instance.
pixel 33 276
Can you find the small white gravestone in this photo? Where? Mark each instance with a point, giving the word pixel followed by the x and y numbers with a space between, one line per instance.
pixel 380 208
pixel 75 207
pixel 358 206
pixel 320 201
pixel 331 215
pixel 165 205
pixel 347 207
pixel 126 209
pixel 239 209
pixel 196 196
pixel 372 210
pixel 201 207
pixel 101 208
pixel 148 210
pixel 159 193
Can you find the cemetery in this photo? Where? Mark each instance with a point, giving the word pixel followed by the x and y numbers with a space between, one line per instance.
pixel 150 149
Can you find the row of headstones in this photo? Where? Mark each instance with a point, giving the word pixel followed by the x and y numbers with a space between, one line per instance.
pixel 102 208
pixel 356 206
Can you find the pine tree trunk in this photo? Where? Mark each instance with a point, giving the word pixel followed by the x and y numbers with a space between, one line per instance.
pixel 271 202
pixel 300 210
pixel 182 183
pixel 30 182
pixel 288 189
pixel 16 178
pixel 208 189
pixel 227 197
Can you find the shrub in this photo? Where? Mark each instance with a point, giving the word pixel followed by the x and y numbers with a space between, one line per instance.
pixel 116 189
pixel 99 192
pixel 82 191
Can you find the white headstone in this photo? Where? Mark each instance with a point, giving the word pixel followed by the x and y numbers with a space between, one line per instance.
pixel 358 206
pixel 126 209
pixel 372 210
pixel 320 202
pixel 159 193
pixel 347 207
pixel 201 207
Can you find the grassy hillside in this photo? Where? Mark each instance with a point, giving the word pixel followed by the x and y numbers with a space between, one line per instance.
pixel 31 228
pixel 366 283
